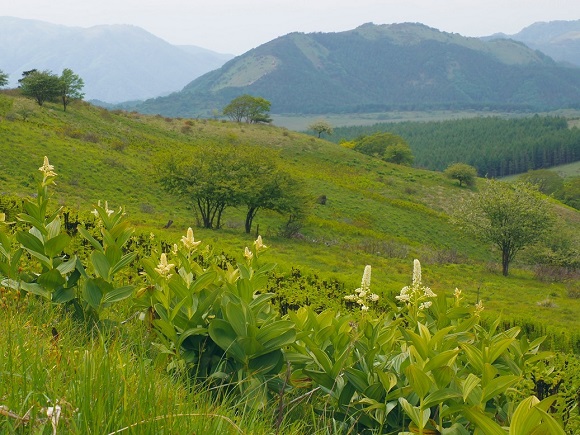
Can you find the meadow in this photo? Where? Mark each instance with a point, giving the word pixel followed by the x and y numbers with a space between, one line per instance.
pixel 375 213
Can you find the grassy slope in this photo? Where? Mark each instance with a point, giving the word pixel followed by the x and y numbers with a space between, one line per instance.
pixel 371 205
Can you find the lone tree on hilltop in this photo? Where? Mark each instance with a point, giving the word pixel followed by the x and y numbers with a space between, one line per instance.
pixel 321 126
pixel 508 216
pixel 462 172
pixel 71 86
pixel 252 110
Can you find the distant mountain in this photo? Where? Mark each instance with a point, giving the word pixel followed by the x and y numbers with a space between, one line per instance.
pixel 381 67
pixel 558 39
pixel 117 62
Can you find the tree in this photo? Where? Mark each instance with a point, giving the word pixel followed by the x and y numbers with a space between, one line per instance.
pixel 3 79
pixel 217 176
pixel 273 189
pixel 545 180
pixel 41 85
pixel 508 216
pixel 462 172
pixel 250 109
pixel 387 146
pixel 399 154
pixel 321 126
pixel 71 86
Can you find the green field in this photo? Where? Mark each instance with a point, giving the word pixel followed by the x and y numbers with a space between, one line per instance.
pixel 112 373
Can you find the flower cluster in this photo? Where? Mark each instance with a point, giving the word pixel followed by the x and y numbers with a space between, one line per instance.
pixel 258 246
pixel 362 295
pixel 163 268
pixel 416 294
pixel 47 169
pixel 188 240
pixel 106 209
pixel 478 308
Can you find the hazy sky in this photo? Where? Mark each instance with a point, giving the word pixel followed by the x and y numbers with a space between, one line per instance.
pixel 236 26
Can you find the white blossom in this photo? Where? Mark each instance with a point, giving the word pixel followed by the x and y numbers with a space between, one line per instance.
pixel 47 168
pixel 248 254
pixel 163 268
pixel 189 241
pixel 259 244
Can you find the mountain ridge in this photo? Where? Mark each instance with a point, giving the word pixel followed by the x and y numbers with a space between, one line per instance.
pixel 377 68
pixel 117 62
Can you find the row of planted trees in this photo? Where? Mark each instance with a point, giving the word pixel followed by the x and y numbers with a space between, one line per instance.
pixel 424 365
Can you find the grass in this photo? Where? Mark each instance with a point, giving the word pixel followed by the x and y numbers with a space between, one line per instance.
pixel 105 382
pixel 376 213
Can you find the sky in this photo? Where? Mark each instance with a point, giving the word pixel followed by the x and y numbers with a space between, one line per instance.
pixel 230 26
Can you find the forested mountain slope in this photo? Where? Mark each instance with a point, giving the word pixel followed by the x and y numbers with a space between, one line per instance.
pixel 378 68
pixel 496 147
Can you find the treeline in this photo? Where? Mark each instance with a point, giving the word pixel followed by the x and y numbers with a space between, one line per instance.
pixel 495 146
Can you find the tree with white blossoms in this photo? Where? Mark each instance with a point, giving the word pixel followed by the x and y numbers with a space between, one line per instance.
pixel 362 295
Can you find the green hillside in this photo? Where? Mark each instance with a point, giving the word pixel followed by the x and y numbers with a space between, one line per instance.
pixel 375 213
pixel 377 68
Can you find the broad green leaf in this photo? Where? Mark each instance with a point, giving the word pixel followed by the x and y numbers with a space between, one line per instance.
pixel 30 242
pixel 53 228
pixel 203 281
pixel 118 294
pixel 549 425
pixel 424 333
pixel 250 346
pixel 419 381
pixel 91 239
pixel 33 288
pixel 277 334
pixel 113 254
pixel 498 385
pixel 489 373
pixel 322 359
pixel 239 318
pixel 421 345
pixel 474 356
pixel 445 358
pixel 225 337
pixel 67 266
pixel 245 290
pixel 100 264
pixel 456 429
pixel 32 221
pixel 51 280
pixel 267 363
pixel 525 418
pixel 191 332
pixel 92 293
pixel 321 378
pixel 440 396
pixel 63 295
pixel 357 378
pixel 442 376
pixel 497 349
pixel 415 414
pixel 388 380
pixel 482 421
pixel 469 384
pixel 55 246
